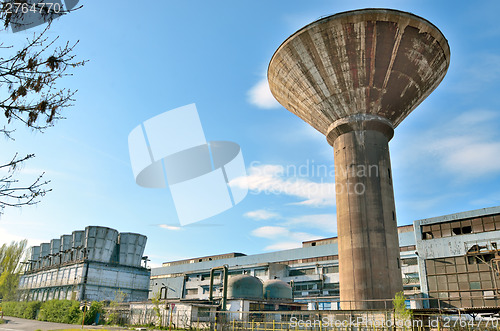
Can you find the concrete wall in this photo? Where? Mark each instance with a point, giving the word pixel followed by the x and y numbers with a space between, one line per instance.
pixel 104 282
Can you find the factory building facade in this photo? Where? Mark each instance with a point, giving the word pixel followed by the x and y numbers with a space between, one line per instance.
pixel 98 264
pixel 312 271
pixel 450 261
pixel 460 258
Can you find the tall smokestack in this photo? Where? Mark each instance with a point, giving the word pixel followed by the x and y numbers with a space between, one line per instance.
pixel 354 77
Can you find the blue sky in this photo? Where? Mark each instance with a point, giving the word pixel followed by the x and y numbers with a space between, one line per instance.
pixel 145 60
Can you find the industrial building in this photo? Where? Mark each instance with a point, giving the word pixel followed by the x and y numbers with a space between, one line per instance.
pixel 312 271
pixel 446 262
pixel 98 264
pixel 459 258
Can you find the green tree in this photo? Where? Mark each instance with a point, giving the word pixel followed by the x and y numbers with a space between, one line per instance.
pixel 404 315
pixel 10 268
pixel 30 95
pixel 156 307
pixel 113 316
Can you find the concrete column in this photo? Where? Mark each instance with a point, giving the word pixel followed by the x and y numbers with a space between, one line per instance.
pixel 368 244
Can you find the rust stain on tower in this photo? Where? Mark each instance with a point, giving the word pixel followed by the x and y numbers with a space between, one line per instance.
pixel 354 77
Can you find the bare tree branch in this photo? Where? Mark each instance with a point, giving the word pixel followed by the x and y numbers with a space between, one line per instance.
pixel 29 79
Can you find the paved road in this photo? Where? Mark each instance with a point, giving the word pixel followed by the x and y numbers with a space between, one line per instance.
pixel 15 324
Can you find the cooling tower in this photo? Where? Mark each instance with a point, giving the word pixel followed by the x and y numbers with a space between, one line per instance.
pixel 355 76
pixel 55 245
pixel 132 247
pixel 77 245
pixel 44 254
pixel 66 245
pixel 34 257
pixel 100 243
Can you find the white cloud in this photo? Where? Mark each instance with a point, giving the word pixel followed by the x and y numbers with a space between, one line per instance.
pixel 260 95
pixel 479 70
pixel 261 214
pixel 280 246
pixel 154 265
pixel 469 147
pixel 287 239
pixel 325 222
pixel 7 238
pixel 272 179
pixel 270 232
pixel 169 227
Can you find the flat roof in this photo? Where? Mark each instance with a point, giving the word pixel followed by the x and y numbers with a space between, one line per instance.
pixel 459 216
pixel 401 229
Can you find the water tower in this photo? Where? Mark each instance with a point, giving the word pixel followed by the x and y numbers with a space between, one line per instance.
pixel 354 77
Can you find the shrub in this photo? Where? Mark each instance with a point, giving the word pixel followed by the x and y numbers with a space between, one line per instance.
pixel 60 311
pixel 91 315
pixel 13 308
pixel 31 310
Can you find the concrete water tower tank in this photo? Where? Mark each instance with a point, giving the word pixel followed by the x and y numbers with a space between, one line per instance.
pixel 244 287
pixel 276 289
pixel 354 77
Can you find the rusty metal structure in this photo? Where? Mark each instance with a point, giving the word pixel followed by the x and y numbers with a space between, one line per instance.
pixel 355 76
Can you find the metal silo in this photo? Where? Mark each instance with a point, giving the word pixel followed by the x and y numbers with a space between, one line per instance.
pixel 131 248
pixel 100 243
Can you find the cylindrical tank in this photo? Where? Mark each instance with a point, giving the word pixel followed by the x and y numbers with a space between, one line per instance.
pixel 244 287
pixel 131 248
pixel 100 243
pixel 275 289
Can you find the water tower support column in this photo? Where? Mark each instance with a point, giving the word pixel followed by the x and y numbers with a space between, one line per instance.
pixel 366 216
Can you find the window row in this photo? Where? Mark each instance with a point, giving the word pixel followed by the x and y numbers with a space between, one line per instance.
pixel 455 228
